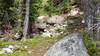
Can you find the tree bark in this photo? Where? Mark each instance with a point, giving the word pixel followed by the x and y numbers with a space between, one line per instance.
pixel 26 20
pixel 92 16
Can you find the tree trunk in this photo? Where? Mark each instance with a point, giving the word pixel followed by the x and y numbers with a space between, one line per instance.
pixel 26 20
pixel 92 16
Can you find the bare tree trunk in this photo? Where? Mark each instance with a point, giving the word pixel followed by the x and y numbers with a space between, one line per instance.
pixel 92 16
pixel 26 20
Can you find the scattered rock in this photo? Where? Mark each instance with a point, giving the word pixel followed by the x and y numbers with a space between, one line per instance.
pixel 1 52
pixel 30 51
pixel 47 25
pixel 72 1
pixel 42 19
pixel 55 20
pixel 6 50
pixel 55 34
pixel 16 45
pixel 83 21
pixel 41 25
pixel 70 21
pixel 11 46
pixel 25 46
pixel 74 12
pixel 41 22
pixel 17 36
pixel 47 34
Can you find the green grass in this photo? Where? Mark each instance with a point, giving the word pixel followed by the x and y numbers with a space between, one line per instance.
pixel 39 40
pixel 46 37
pixel 43 41
pixel 18 53
pixel 30 43
pixel 90 43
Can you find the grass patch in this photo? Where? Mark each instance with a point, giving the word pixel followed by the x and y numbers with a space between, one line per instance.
pixel 35 44
pixel 47 37
pixel 90 43
pixel 18 53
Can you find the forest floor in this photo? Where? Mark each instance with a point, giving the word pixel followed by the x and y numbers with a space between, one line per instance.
pixel 39 45
pixel 31 47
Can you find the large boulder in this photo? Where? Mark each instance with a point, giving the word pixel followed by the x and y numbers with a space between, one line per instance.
pixel 42 19
pixel 55 20
pixel 41 25
pixel 41 22
pixel 71 45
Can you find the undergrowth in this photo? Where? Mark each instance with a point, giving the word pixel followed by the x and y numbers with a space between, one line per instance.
pixel 90 43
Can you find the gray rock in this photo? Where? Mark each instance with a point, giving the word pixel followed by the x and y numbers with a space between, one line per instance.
pixel 1 52
pixel 74 12
pixel 55 19
pixel 71 45
pixel 42 19
pixel 41 25
pixel 70 21
pixel 17 35
pixel 47 34
pixel 41 22
pixel 11 47
pixel 6 50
